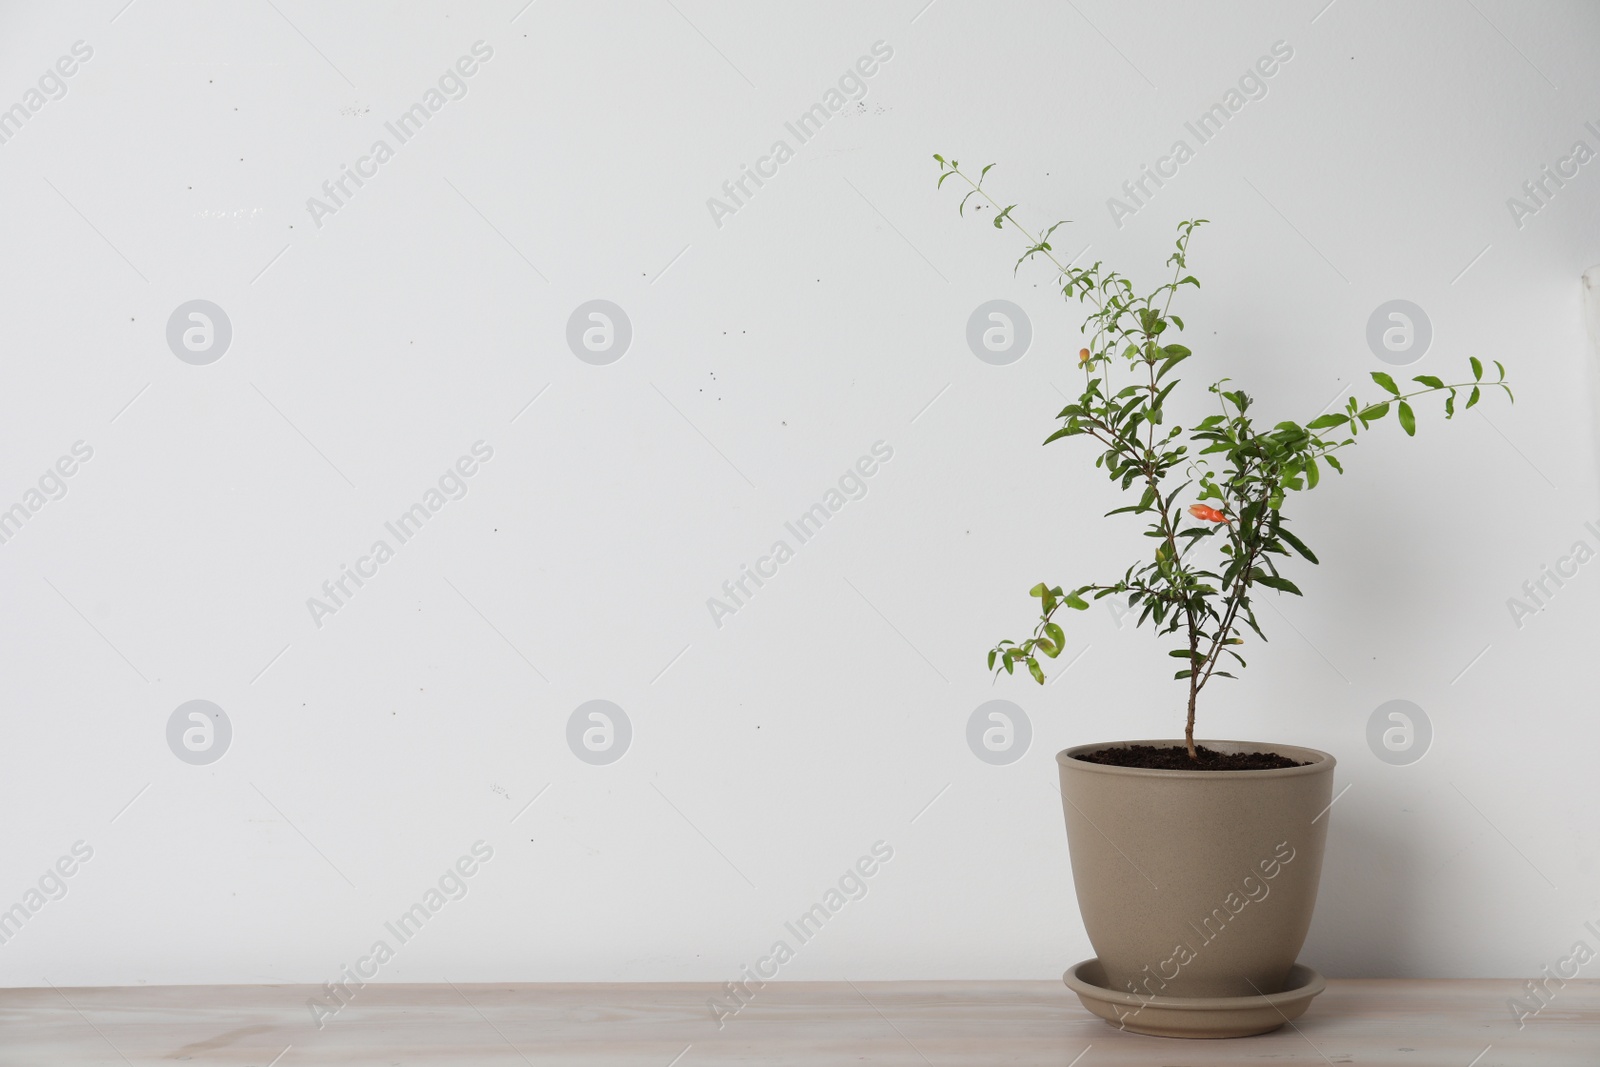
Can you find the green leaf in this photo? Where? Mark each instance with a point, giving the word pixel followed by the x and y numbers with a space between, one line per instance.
pixel 1039 590
pixel 1431 381
pixel 1033 669
pixel 1073 600
pixel 1327 422
pixel 1477 368
pixel 1472 398
pixel 991 651
pixel 1297 544
pixel 1283 585
pixel 1056 635
pixel 1408 419
pixel 1386 382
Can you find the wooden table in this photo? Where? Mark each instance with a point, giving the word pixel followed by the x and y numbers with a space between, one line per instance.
pixel 915 1024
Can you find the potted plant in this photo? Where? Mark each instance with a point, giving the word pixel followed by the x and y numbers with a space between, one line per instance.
pixel 1196 863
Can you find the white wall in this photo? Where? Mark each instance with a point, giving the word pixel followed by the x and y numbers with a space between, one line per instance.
pixel 768 354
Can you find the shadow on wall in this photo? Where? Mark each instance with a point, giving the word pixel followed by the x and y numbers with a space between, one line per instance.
pixel 1365 924
pixel 1369 903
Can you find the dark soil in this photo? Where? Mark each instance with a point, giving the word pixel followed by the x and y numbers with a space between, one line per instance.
pixel 1176 758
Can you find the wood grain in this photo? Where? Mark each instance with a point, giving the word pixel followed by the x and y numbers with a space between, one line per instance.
pixel 802 1024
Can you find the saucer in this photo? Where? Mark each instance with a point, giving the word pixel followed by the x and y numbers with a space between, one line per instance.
pixel 1194 1016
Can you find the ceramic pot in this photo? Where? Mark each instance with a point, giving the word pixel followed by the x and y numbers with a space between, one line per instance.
pixel 1197 883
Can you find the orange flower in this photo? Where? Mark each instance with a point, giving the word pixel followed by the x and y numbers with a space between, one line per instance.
pixel 1083 355
pixel 1207 514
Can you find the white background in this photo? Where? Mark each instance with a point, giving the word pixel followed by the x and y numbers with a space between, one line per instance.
pixel 768 354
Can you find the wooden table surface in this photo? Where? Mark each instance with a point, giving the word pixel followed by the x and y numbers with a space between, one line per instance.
pixel 915 1024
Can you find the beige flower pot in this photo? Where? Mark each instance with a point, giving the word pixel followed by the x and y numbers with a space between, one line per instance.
pixel 1197 883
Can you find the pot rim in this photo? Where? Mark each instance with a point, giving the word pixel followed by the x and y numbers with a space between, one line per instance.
pixel 1316 761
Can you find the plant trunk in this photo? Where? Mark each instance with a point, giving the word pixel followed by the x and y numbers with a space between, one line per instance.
pixel 1194 692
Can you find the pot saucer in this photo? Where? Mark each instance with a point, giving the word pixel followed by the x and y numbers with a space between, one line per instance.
pixel 1194 1016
